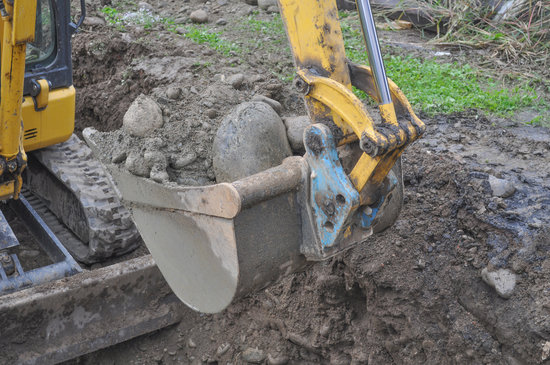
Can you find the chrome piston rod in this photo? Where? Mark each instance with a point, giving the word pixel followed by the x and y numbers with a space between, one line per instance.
pixel 373 50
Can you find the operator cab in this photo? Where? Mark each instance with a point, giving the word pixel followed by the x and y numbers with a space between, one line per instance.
pixel 49 105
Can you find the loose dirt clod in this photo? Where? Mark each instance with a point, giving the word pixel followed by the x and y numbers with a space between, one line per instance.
pixel 143 117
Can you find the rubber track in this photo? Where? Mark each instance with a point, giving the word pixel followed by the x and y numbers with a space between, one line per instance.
pixel 63 234
pixel 111 231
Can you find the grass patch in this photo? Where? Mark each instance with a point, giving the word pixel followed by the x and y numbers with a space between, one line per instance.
pixel 450 87
pixel 148 20
pixel 436 87
pixel 214 40
pixel 272 27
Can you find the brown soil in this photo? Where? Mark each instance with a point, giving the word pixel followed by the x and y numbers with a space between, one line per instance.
pixel 410 295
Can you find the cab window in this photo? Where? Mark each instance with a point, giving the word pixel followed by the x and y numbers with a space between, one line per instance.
pixel 44 37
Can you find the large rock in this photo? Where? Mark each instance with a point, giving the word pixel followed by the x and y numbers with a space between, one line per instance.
pixel 142 117
pixel 199 16
pixel 250 139
pixel 295 127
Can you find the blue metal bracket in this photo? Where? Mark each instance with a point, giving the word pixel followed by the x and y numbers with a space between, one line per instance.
pixel 332 197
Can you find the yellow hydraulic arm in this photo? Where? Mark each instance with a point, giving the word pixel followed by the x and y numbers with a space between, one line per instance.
pixel 325 77
pixel 17 28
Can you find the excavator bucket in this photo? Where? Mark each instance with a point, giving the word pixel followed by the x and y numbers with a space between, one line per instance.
pixel 216 243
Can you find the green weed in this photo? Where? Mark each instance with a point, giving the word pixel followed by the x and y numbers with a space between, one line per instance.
pixel 214 40
pixel 113 17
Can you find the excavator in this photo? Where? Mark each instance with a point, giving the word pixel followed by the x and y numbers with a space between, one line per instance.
pixel 210 245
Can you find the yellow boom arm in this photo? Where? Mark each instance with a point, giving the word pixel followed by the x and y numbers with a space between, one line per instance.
pixel 18 23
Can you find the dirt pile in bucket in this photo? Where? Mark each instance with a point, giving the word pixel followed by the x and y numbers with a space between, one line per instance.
pixel 462 277
pixel 166 132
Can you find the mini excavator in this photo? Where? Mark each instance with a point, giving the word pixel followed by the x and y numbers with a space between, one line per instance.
pixel 212 244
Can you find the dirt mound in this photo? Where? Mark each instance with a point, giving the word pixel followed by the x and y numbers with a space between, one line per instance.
pixel 410 295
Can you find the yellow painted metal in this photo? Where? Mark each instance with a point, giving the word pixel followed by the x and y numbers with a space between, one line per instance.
pixel 18 29
pixel 9 188
pixel 315 36
pixel 340 100
pixel 389 116
pixel 41 99
pixel 350 109
pixel 363 170
pixel 316 41
pixel 52 125
pixel 318 48
pixel 24 13
pixel 397 95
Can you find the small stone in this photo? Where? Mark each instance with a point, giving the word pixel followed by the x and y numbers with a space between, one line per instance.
pixel 250 139
pixel 501 188
pixel 325 329
pixel 136 165
pixel 211 113
pixel 272 103
pixel 94 21
pixel 142 117
pixel 173 93
pixel 295 127
pixel 503 280
pixel 222 349
pixel 253 356
pixel 236 80
pixel 273 9
pixel 158 173
pixel 152 158
pixel 199 16
pixel 119 157
pixel 191 344
pixel 221 21
pixel 265 4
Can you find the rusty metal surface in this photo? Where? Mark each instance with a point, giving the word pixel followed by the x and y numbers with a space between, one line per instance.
pixel 58 321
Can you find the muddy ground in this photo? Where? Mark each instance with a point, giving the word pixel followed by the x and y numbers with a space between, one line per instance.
pixel 411 295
